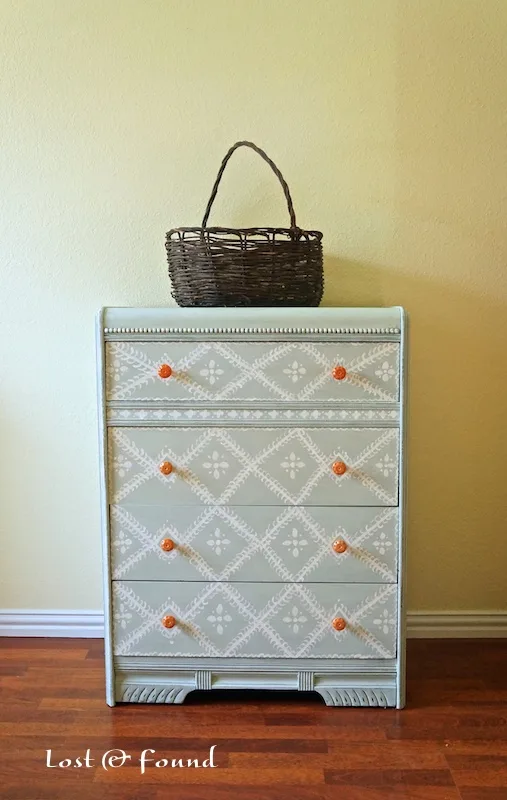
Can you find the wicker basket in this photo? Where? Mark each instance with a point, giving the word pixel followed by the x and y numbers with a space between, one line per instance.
pixel 245 266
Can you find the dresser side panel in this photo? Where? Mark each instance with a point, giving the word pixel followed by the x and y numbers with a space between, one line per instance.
pixel 401 627
pixel 104 510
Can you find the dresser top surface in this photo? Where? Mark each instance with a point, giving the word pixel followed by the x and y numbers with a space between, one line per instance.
pixel 253 318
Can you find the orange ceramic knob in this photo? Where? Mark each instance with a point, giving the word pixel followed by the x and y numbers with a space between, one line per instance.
pixel 339 624
pixel 169 622
pixel 339 373
pixel 165 371
pixel 166 468
pixel 339 546
pixel 167 545
pixel 339 468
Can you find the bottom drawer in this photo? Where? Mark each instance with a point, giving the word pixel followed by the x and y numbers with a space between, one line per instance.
pixel 264 620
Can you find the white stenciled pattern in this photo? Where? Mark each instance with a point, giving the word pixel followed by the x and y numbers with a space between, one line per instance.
pixel 218 542
pixel 122 615
pixel 386 465
pixel 117 369
pixel 220 465
pixel 266 414
pixel 122 464
pixel 382 543
pixel 295 542
pixel 220 618
pixel 122 541
pixel 292 465
pixel 231 371
pixel 211 371
pixel 386 371
pixel 239 543
pixel 216 465
pixel 295 371
pixel 295 618
pixel 236 620
pixel 385 621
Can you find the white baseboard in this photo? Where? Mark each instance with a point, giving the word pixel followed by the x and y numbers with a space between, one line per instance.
pixel 75 624
pixel 457 625
pixel 420 624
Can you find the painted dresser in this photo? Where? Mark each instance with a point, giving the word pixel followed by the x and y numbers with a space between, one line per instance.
pixel 252 491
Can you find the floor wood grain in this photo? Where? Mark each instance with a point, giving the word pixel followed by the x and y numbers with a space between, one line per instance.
pixel 450 743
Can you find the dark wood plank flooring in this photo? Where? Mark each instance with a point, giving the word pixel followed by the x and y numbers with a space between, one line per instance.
pixel 450 743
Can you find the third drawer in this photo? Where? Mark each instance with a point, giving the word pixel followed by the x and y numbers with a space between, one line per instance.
pixel 245 543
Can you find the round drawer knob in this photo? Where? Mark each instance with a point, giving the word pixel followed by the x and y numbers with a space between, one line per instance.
pixel 168 621
pixel 165 371
pixel 166 468
pixel 339 373
pixel 339 546
pixel 339 468
pixel 167 545
pixel 339 624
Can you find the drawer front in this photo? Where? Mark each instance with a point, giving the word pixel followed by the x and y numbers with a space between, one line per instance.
pixel 266 543
pixel 254 466
pixel 254 619
pixel 236 372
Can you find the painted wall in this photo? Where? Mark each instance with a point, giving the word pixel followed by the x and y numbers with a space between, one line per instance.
pixel 389 121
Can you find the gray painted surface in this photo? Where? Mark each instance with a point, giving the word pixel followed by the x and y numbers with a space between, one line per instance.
pixel 273 608
pixel 254 466
pixel 211 371
pixel 262 543
pixel 254 619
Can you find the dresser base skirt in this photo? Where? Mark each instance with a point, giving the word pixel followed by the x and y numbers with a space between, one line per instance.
pixel 371 683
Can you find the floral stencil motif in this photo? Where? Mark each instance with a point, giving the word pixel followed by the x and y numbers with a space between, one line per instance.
pixel 116 369
pixel 292 465
pixel 216 465
pixel 386 466
pixel 294 619
pixel 295 542
pixel 384 621
pixel 382 544
pixel 121 465
pixel 219 618
pixel 211 372
pixel 122 542
pixel 385 372
pixel 122 615
pixel 295 371
pixel 218 541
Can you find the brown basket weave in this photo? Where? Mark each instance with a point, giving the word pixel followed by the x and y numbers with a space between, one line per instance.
pixel 245 266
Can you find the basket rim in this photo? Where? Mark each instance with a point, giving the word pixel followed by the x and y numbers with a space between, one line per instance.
pixel 300 232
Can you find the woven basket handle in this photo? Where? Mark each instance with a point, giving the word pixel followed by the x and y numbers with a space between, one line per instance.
pixel 273 167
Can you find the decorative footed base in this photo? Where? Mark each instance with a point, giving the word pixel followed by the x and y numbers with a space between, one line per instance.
pixel 154 694
pixel 168 681
pixel 334 696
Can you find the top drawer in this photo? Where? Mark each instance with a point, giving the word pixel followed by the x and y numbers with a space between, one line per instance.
pixel 204 372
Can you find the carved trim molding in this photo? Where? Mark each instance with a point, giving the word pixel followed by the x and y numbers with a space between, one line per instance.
pixel 203 679
pixel 208 331
pixel 366 696
pixel 127 415
pixel 334 696
pixel 144 693
pixel 305 681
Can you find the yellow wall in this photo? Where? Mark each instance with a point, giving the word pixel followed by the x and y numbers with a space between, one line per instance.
pixel 389 120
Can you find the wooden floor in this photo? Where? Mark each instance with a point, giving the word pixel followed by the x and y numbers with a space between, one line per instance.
pixel 449 743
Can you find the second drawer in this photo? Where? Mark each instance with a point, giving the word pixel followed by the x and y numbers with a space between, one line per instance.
pixel 243 543
pixel 254 466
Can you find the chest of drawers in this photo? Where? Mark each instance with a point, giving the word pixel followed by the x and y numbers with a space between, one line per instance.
pixel 252 467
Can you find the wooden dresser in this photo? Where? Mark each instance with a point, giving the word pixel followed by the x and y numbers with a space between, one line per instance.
pixel 253 493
